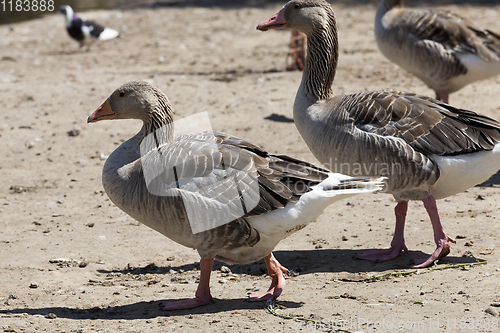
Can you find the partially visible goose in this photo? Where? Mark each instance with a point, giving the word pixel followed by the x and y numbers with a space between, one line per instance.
pixel 441 48
pixel 427 149
pixel 297 53
pixel 84 31
pixel 189 188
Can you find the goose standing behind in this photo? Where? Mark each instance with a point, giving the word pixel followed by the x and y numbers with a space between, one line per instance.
pixel 427 149
pixel 297 53
pixel 197 170
pixel 441 48
pixel 83 31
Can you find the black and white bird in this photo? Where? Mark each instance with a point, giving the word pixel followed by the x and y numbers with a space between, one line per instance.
pixel 83 31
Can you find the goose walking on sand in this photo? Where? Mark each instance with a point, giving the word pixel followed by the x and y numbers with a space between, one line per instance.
pixel 221 195
pixel 427 149
pixel 444 50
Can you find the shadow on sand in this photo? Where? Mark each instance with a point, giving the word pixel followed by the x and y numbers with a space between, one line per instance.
pixel 327 260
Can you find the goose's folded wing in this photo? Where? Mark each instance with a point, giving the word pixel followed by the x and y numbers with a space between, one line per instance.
pixel 222 178
pixel 429 126
pixel 445 29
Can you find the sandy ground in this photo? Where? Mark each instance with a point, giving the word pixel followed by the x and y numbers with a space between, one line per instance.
pixel 111 272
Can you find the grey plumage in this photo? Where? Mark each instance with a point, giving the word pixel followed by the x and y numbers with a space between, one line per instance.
pixel 444 50
pixel 197 159
pixel 153 185
pixel 420 144
pixel 213 192
pixel 386 133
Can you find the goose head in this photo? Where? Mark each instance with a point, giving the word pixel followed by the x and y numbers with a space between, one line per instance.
pixel 302 15
pixel 135 100
pixel 316 19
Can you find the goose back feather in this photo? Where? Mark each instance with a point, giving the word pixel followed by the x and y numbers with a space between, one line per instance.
pixel 443 49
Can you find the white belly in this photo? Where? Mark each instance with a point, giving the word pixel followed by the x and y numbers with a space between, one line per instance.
pixel 477 69
pixel 459 173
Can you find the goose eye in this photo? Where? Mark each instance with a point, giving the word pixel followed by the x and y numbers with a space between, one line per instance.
pixel 297 6
pixel 121 94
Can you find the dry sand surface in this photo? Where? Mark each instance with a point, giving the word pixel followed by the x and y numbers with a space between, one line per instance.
pixel 111 272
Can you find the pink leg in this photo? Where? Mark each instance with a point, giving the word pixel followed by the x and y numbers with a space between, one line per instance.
pixel 398 241
pixel 203 295
pixel 275 271
pixel 440 237
pixel 443 95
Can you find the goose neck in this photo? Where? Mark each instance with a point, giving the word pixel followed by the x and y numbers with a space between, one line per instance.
pixel 321 61
pixel 158 128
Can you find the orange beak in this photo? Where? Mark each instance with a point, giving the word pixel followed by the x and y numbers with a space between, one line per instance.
pixel 277 21
pixel 104 112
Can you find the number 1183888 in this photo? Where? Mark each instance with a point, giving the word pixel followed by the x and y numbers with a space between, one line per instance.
pixel 27 5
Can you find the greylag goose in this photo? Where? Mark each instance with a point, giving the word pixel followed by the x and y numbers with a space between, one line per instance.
pixel 427 149
pixel 216 193
pixel 441 48
pixel 83 31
